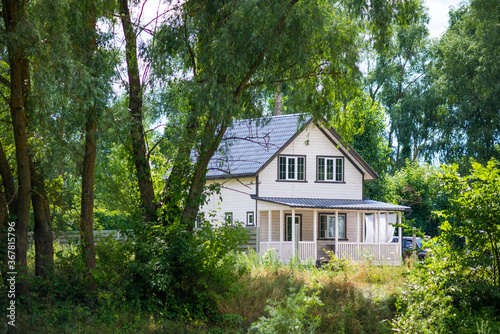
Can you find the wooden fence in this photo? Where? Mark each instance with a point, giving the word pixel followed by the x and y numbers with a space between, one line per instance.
pixel 68 237
pixel 253 241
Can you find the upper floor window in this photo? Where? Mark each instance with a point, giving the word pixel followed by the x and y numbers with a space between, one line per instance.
pixel 330 169
pixel 292 168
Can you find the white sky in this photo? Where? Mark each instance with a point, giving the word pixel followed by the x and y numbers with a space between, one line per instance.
pixel 438 13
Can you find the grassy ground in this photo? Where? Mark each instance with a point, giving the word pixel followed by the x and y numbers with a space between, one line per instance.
pixel 354 298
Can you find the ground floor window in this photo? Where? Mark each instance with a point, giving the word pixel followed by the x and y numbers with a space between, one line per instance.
pixel 327 226
pixel 288 226
pixel 250 221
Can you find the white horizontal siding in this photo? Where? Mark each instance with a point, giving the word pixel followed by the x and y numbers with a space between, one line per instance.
pixel 311 143
pixel 234 197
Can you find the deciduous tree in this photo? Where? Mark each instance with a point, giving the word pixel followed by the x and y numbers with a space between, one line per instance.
pixel 468 76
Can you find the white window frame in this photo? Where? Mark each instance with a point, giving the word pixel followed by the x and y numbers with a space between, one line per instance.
pixel 330 219
pixel 228 216
pixel 325 169
pixel 295 158
pixel 288 232
pixel 252 222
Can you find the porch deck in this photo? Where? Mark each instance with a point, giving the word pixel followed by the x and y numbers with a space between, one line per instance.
pixel 357 240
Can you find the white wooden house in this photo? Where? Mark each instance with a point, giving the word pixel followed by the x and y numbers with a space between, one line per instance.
pixel 278 170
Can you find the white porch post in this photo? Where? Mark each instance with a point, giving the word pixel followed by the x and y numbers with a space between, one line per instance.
pixel 363 227
pixel 282 218
pixel 315 233
pixel 269 221
pixel 358 223
pixel 294 237
pixel 378 234
pixel 257 223
pixel 337 233
pixel 400 237
pixel 282 228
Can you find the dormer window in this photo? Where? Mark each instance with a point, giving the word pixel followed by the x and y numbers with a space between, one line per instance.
pixel 330 169
pixel 291 168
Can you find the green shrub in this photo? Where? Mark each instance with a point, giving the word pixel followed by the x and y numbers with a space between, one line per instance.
pixel 290 315
pixel 445 295
pixel 186 271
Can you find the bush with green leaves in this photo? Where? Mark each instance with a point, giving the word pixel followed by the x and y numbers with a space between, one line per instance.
pixel 184 271
pixel 457 290
pixel 291 315
pixel 417 185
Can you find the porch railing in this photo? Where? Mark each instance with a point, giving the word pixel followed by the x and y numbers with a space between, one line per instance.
pixel 284 250
pixel 377 253
pixel 307 249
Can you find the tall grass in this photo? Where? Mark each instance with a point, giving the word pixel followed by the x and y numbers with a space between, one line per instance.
pixel 355 298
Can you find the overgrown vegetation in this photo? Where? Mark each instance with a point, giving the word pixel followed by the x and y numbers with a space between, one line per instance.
pixel 457 290
pixel 74 155
pixel 267 296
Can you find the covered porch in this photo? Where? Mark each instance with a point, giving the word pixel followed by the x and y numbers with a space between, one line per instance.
pixel 353 229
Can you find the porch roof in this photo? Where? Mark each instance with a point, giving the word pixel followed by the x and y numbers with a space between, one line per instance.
pixel 339 204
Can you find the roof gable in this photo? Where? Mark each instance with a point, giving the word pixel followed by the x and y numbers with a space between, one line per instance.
pixel 250 145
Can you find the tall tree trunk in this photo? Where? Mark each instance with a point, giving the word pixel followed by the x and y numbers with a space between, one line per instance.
pixel 278 100
pixel 8 182
pixel 87 201
pixel 44 243
pixel 215 129
pixel 194 200
pixel 4 218
pixel 13 12
pixel 44 247
pixel 141 160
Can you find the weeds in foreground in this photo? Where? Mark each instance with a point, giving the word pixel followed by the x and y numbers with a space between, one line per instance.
pixel 353 298
pixel 339 298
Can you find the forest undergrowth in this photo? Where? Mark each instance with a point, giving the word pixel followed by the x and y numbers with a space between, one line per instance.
pixel 269 297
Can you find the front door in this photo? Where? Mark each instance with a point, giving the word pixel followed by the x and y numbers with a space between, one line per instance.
pixel 288 226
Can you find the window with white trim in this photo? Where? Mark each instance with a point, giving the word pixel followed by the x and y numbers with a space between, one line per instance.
pixel 250 221
pixel 327 226
pixel 292 168
pixel 330 169
pixel 228 217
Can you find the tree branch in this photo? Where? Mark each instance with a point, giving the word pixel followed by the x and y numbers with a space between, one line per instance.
pixel 191 53
pixel 243 84
pixel 310 75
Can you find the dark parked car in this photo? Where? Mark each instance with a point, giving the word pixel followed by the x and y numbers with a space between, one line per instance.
pixel 407 245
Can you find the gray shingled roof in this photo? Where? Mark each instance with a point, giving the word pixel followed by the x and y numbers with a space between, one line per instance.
pixel 339 204
pixel 250 143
